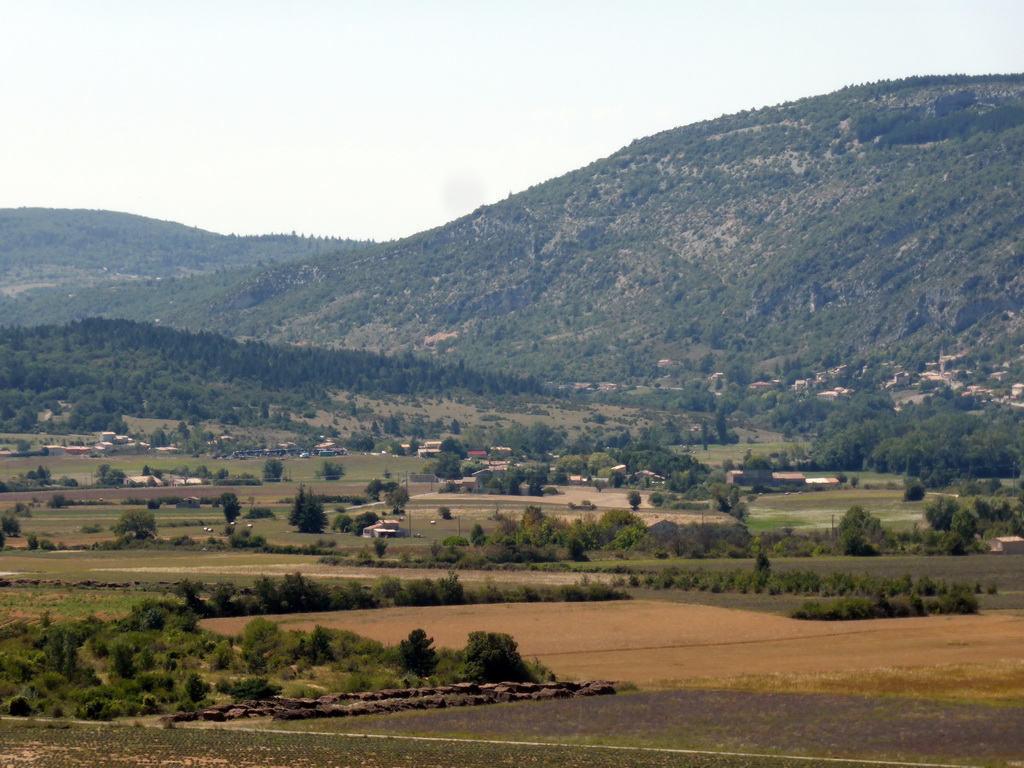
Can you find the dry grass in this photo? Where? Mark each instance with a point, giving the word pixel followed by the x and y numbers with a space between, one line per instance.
pixel 656 643
pixel 243 573
pixel 131 565
pixel 998 681
pixel 609 498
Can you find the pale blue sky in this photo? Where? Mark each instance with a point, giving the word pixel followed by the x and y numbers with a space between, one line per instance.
pixel 382 119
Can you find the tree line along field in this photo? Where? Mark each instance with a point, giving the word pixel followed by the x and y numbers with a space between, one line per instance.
pixel 359 467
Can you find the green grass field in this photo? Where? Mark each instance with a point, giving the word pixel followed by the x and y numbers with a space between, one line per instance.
pixel 820 509
pixel 359 468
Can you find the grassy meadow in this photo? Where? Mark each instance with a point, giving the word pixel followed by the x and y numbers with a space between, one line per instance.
pixel 821 509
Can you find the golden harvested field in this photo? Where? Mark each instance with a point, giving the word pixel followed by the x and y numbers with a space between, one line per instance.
pixel 651 642
pixel 609 498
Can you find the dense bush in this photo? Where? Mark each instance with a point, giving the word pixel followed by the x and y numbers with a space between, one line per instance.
pixel 956 600
pixel 295 593
pixel 155 659
pixel 253 688
pixel 493 657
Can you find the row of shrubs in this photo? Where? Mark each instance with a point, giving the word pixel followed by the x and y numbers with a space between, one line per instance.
pixel 295 593
pixel 764 580
pixel 956 601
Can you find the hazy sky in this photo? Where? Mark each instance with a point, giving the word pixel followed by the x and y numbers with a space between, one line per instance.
pixel 381 119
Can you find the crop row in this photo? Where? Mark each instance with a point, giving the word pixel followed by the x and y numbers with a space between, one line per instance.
pixel 73 747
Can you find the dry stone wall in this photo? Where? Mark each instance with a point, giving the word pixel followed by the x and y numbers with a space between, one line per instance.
pixel 395 700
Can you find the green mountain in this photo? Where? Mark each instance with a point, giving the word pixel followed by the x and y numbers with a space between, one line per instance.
pixel 880 220
pixel 43 248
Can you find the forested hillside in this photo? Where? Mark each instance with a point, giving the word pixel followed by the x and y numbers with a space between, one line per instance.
pixel 89 374
pixel 44 248
pixel 880 221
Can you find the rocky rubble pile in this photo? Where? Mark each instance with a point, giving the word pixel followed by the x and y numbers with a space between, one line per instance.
pixel 86 584
pixel 395 700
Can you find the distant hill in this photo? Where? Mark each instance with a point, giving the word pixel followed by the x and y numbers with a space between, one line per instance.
pixel 880 220
pixel 92 372
pixel 42 248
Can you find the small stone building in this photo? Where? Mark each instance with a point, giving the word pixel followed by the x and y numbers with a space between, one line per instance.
pixel 1007 545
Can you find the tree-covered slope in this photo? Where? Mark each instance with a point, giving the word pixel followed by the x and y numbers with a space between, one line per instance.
pixel 881 217
pixel 95 371
pixel 71 249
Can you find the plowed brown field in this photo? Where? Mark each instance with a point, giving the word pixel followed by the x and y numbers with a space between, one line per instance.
pixel 651 642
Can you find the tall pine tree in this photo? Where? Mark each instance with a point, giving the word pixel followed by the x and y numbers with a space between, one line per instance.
pixel 307 512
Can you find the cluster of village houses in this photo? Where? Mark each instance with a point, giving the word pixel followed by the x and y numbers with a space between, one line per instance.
pixel 109 442
pixel 770 479
pixel 940 372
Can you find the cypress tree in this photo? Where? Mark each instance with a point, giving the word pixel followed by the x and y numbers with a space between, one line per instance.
pixel 307 513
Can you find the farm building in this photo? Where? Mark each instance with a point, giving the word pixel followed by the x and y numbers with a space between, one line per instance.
pixel 386 529
pixel 147 480
pixel 646 474
pixel 663 529
pixel 765 477
pixel 429 449
pixel 1007 545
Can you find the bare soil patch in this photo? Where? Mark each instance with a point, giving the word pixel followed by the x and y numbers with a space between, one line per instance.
pixel 652 642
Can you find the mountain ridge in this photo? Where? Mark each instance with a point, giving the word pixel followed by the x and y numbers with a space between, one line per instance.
pixel 878 219
pixel 55 248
